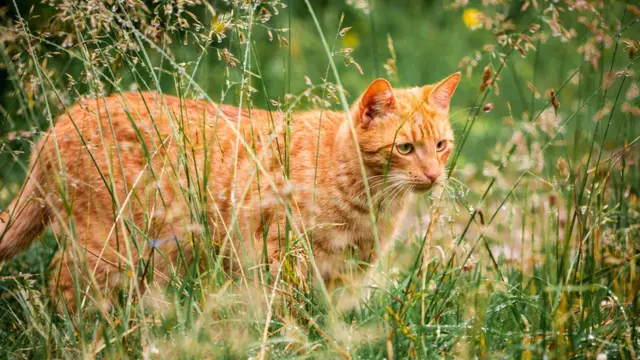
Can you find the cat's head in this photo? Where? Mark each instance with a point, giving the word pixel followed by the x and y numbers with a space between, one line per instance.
pixel 406 132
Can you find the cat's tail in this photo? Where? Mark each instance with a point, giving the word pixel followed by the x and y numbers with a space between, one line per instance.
pixel 27 216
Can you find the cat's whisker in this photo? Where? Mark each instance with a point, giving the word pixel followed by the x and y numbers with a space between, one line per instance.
pixel 395 194
pixel 403 191
pixel 387 182
pixel 398 188
pixel 388 190
pixel 369 178
pixel 408 190
pixel 376 178
pixel 391 189
pixel 371 188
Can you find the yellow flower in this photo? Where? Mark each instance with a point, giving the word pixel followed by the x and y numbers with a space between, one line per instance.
pixel 217 26
pixel 471 18
pixel 351 40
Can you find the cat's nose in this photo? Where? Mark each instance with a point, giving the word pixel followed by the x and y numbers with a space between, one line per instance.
pixel 432 170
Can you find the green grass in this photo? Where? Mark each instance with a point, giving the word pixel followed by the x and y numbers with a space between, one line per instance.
pixel 532 251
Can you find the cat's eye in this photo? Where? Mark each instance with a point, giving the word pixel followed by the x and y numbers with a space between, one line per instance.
pixel 404 149
pixel 441 145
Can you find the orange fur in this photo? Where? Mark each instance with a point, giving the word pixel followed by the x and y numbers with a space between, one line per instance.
pixel 135 171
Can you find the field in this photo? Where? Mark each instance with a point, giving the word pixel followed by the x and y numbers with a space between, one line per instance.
pixel 530 251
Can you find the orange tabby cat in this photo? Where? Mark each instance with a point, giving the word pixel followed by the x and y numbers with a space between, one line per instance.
pixel 146 177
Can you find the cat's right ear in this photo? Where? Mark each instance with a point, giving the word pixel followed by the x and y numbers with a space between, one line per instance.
pixel 439 96
pixel 377 101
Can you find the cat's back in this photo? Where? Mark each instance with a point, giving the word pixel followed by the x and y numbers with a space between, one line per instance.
pixel 121 112
pixel 139 124
pixel 125 120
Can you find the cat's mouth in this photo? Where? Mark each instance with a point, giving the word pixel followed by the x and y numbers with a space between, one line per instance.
pixel 420 188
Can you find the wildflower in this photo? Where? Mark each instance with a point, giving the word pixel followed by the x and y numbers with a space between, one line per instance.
pixel 628 108
pixel 632 92
pixel 486 78
pixel 390 65
pixel 533 89
pixel 549 122
pixel 218 25
pixel 490 170
pixel 591 53
pixel 264 15
pixel 634 9
pixel 563 168
pixel 227 57
pixel 432 285
pixel 604 111
pixel 533 28
pixel 350 40
pixel 195 228
pixel 471 18
pixel 468 267
pixel 344 31
pixel 609 79
pixel 360 5
pixel 554 100
pixel 631 47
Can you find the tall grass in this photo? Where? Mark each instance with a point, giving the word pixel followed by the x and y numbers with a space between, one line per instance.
pixel 529 251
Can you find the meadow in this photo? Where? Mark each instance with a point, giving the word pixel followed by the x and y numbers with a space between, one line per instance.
pixel 530 251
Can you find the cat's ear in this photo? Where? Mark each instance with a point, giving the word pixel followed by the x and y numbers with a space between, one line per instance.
pixel 440 94
pixel 377 101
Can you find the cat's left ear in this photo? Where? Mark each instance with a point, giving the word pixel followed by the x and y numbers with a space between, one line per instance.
pixel 440 94
pixel 377 101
